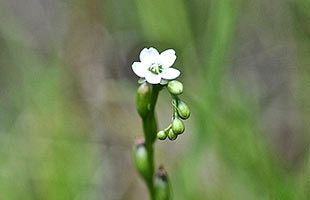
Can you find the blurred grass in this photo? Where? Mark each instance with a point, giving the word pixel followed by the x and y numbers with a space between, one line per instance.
pixel 171 25
pixel 43 150
pixel 46 147
pixel 302 33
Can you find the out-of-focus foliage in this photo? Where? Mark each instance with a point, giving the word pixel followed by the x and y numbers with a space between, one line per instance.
pixel 67 111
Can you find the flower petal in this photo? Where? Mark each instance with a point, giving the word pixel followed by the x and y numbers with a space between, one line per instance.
pixel 139 69
pixel 152 78
pixel 167 58
pixel 170 73
pixel 149 55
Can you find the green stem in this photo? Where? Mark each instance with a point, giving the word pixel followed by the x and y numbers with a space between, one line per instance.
pixel 150 130
pixel 175 102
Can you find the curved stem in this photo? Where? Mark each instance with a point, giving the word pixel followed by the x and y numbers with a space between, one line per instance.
pixel 175 102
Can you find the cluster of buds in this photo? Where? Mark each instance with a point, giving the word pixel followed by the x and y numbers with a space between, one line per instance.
pixel 180 112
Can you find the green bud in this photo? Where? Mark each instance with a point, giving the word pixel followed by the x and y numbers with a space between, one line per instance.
pixel 175 87
pixel 172 135
pixel 162 185
pixel 162 135
pixel 143 99
pixel 183 110
pixel 141 159
pixel 178 126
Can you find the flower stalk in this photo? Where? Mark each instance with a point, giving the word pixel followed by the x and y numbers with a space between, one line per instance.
pixel 147 95
pixel 150 130
pixel 156 74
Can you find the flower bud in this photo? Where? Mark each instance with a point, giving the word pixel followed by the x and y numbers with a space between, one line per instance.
pixel 172 135
pixel 162 185
pixel 175 87
pixel 143 98
pixel 140 157
pixel 162 135
pixel 183 110
pixel 178 126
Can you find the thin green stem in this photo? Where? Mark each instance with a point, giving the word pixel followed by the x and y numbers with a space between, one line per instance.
pixel 150 130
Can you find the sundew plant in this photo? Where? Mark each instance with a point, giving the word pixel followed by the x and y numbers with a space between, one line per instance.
pixel 156 73
pixel 90 110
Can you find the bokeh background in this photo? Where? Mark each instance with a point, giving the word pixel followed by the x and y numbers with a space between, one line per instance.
pixel 67 98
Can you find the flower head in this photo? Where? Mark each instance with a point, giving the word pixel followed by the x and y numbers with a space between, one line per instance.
pixel 155 67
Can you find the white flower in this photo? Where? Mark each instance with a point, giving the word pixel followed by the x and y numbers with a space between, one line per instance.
pixel 154 66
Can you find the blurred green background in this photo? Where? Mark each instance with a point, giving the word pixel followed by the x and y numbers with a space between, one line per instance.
pixel 67 92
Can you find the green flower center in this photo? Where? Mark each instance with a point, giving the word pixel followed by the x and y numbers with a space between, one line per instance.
pixel 155 68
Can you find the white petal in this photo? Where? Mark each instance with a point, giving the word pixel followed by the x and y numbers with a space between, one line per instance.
pixel 139 69
pixel 152 78
pixel 167 58
pixel 170 73
pixel 148 56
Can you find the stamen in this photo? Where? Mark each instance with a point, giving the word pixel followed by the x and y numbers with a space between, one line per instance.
pixel 155 68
